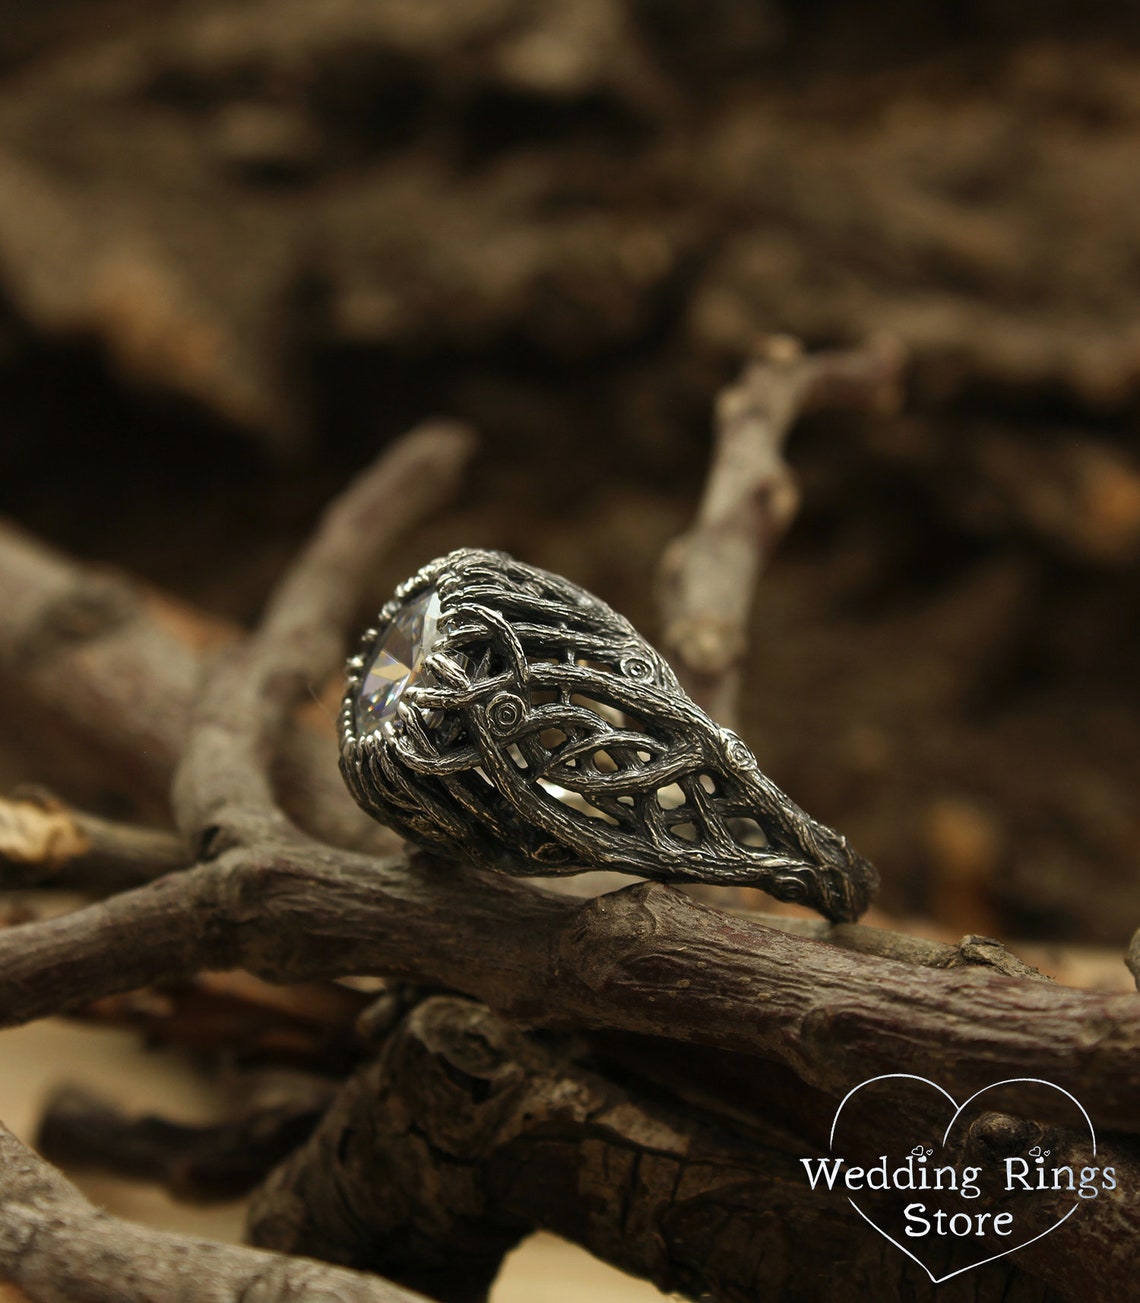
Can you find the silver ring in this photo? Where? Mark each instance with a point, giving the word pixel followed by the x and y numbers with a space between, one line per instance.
pixel 500 714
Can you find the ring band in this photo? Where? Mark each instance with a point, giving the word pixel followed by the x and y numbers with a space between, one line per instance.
pixel 500 714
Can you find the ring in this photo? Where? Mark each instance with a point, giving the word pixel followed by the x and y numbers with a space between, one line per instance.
pixel 500 714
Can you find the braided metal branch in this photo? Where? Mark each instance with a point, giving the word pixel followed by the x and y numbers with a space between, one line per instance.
pixel 541 734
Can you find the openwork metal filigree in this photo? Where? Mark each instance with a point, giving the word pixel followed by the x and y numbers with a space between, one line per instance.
pixel 532 730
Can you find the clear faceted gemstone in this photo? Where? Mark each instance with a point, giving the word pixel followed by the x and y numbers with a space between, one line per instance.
pixel 397 661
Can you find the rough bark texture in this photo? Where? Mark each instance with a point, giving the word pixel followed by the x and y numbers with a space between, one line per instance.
pixel 645 959
pixel 464 1132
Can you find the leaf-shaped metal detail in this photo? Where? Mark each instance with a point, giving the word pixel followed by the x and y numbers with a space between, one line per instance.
pixel 531 729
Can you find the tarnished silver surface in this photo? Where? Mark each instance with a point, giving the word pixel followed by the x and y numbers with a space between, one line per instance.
pixel 543 735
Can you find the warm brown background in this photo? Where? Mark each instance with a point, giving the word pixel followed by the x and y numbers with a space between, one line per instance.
pixel 243 244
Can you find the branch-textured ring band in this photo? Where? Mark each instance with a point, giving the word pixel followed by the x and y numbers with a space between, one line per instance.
pixel 501 714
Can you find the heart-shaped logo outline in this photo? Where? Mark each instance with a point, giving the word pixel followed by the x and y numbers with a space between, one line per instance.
pixel 958 1108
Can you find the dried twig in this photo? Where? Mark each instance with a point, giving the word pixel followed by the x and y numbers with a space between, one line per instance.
pixel 139 659
pixel 200 1163
pixel 45 843
pixel 225 776
pixel 707 576
pixel 304 1024
pixel 644 959
pixel 59 1249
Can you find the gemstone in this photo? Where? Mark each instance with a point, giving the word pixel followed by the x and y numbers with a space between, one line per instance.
pixel 397 661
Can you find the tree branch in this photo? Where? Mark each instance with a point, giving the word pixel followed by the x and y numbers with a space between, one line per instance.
pixel 707 576
pixel 248 1021
pixel 80 1130
pixel 134 660
pixel 59 1249
pixel 222 786
pixel 46 843
pixel 645 959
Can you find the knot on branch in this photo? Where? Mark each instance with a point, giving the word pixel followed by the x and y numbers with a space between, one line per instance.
pixel 993 1136
pixel 986 952
pixel 469 1067
pixel 610 933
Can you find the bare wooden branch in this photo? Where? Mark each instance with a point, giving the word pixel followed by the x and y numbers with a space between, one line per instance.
pixel 706 577
pixel 46 843
pixel 327 1023
pixel 139 658
pixel 134 661
pixel 57 1248
pixel 80 1130
pixel 644 959
pixel 304 1024
pixel 59 619
pixel 225 773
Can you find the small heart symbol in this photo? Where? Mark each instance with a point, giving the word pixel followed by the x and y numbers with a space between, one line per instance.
pixel 920 1152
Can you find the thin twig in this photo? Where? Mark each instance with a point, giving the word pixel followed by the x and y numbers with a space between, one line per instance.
pixel 46 843
pixel 140 658
pixel 224 777
pixel 131 662
pixel 707 576
pixel 80 1130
